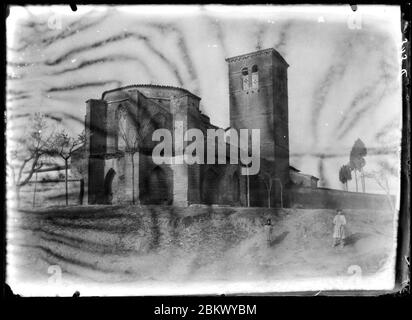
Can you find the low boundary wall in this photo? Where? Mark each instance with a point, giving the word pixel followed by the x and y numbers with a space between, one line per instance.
pixel 323 198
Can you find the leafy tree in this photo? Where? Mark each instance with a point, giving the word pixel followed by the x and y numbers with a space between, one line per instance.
pixel 27 150
pixel 342 177
pixel 357 161
pixel 345 175
pixel 63 146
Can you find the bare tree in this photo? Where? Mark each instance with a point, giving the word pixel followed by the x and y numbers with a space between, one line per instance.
pixel 131 139
pixel 268 179
pixel 63 146
pixel 381 178
pixel 136 136
pixel 35 185
pixel 27 151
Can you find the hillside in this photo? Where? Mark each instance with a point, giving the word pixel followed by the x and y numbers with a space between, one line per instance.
pixel 102 245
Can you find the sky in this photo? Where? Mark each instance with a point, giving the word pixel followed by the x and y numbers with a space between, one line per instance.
pixel 344 77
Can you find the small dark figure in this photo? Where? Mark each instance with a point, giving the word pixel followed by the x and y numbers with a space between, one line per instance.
pixel 76 294
pixel 339 229
pixel 268 231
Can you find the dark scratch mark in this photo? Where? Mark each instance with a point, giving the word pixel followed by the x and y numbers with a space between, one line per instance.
pixel 83 85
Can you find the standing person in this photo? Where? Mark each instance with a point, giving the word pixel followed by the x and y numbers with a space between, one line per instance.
pixel 339 229
pixel 268 231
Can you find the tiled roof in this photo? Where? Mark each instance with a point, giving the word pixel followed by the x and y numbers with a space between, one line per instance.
pixel 294 169
pixel 257 53
pixel 148 86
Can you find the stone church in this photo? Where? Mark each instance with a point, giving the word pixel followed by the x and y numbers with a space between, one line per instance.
pixel 119 144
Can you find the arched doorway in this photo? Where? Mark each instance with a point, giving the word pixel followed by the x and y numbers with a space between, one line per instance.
pixel 108 181
pixel 158 190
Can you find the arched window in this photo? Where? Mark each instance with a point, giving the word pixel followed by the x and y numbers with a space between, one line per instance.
pixel 255 77
pixel 122 128
pixel 245 79
pixel 112 129
pixel 116 129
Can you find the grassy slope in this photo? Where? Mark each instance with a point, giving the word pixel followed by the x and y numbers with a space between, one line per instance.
pixel 111 244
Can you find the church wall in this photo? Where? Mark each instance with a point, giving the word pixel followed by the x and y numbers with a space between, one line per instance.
pixel 228 187
pixel 219 185
pixel 323 198
pixel 96 180
pixel 148 116
pixel 180 171
pixel 127 99
pixel 243 189
pixel 194 181
pixel 180 185
pixel 96 126
pixel 122 184
pixel 281 122
pixel 95 149
pixel 155 181
pixel 194 121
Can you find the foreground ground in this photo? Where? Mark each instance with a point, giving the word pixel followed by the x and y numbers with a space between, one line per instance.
pixel 108 245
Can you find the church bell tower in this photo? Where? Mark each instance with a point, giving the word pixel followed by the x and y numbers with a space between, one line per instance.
pixel 259 100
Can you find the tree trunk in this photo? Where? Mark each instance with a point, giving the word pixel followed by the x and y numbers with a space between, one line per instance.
pixel 34 191
pixel 18 195
pixel 133 197
pixel 268 198
pixel 248 186
pixel 65 181
pixel 363 181
pixel 388 193
pixel 81 194
pixel 356 180
pixel 281 194
pixel 392 206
